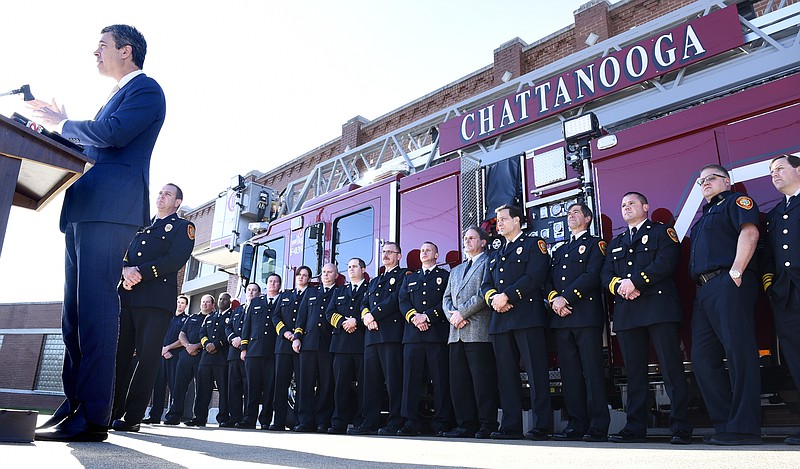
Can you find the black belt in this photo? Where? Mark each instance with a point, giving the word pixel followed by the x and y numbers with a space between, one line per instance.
pixel 703 279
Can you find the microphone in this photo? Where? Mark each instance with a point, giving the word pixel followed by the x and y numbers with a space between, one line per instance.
pixel 24 90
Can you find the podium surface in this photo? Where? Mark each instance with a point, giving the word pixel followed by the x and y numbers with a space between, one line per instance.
pixel 34 169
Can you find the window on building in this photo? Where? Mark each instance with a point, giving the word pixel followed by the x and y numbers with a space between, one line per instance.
pixel 197 269
pixel 313 247
pixel 269 259
pixel 51 360
pixel 1 341
pixel 353 237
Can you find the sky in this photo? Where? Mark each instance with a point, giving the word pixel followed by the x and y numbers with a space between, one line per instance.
pixel 249 84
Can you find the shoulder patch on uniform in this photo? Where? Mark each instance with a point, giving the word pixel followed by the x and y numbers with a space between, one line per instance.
pixel 602 245
pixel 673 235
pixel 542 246
pixel 190 232
pixel 745 202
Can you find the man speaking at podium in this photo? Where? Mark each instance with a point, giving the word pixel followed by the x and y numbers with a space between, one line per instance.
pixel 102 212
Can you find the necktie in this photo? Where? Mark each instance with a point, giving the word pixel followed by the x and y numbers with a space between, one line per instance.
pixel 469 266
pixel 633 232
pixel 113 92
pixel 789 202
pixel 271 300
pixel 326 289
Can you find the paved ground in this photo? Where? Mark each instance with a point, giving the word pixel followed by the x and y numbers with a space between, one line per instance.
pixel 173 447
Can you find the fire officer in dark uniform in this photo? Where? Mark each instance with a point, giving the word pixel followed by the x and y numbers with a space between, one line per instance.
pixel 638 271
pixel 287 361
pixel 188 361
pixel 577 323
pixel 782 276
pixel 148 286
pixel 513 286
pixel 236 382
pixel 258 353
pixel 312 339
pixel 169 361
pixel 723 323
pixel 213 367
pixel 383 345
pixel 347 346
pixel 425 343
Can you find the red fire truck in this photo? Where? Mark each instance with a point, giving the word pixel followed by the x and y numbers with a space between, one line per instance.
pixel 699 85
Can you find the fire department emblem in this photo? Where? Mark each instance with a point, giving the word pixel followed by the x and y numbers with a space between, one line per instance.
pixel 168 228
pixel 190 231
pixel 672 234
pixel 519 250
pixel 645 238
pixel 438 280
pixel 603 245
pixel 581 249
pixel 543 246
pixel 745 202
pixel 496 243
pixel 391 281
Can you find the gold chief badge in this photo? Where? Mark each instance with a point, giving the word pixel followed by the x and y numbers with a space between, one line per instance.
pixel 672 234
pixel 190 231
pixel 543 246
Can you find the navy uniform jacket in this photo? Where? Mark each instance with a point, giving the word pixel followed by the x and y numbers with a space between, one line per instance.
pixel 284 318
pixel 716 234
pixel 575 275
pixel 175 326
pixel 519 270
pixel 649 262
pixel 234 324
pixel 782 256
pixel 344 305
pixel 192 327
pixel 159 251
pixel 312 327
pixel 213 330
pixel 120 139
pixel 381 301
pixel 422 294
pixel 258 333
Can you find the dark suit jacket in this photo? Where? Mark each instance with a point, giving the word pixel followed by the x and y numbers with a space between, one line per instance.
pixel 649 261
pixel 575 275
pixel 234 328
pixel 120 139
pixel 312 328
pixel 284 318
pixel 213 330
pixel 519 270
pixel 783 251
pixel 159 251
pixel 422 294
pixel 345 304
pixel 258 333
pixel 381 301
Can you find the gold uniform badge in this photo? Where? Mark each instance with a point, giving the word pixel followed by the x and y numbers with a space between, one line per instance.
pixel 673 235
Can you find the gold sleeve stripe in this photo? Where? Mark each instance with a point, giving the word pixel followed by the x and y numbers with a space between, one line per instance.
pixel 335 319
pixel 279 327
pixel 410 313
pixel 488 295
pixel 611 285
pixel 552 295
pixel 245 341
pixel 364 312
pixel 299 330
pixel 203 341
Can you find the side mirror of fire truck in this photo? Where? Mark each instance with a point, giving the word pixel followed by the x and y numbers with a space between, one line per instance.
pixel 246 257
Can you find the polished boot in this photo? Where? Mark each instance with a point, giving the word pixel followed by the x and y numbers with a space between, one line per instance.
pixel 75 428
pixel 59 415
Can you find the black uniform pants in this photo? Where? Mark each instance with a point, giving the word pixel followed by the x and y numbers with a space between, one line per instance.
pixel 285 365
pixel 142 330
pixel 185 373
pixel 316 372
pixel 236 397
pixel 723 326
pixel 207 376
pixel 415 358
pixel 383 365
pixel 260 379
pixel 635 347
pixel 473 385
pixel 787 324
pixel 530 343
pixel 347 367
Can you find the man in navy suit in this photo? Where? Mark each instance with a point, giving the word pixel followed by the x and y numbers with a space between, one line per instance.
pixel 101 213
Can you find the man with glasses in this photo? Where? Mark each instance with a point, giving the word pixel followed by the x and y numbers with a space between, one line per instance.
pixel 723 323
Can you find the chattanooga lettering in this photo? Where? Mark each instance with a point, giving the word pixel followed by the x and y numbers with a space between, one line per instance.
pixel 618 70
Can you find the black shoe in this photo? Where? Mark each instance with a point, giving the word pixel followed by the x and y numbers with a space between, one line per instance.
pixel 322 429
pixel 228 424
pixel 459 432
pixel 568 435
pixel 195 423
pixel 537 434
pixel 595 435
pixel 407 430
pixel 792 439
pixel 152 420
pixel 388 431
pixel 337 431
pixel 504 434
pixel 276 428
pixel 627 436
pixel 245 425
pixel 59 415
pixel 304 429
pixel 171 422
pixel 361 431
pixel 75 428
pixel 735 439
pixel 681 437
pixel 483 434
pixel 121 425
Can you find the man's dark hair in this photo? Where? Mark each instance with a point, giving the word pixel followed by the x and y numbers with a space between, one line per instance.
pixel 482 234
pixel 178 191
pixel 304 267
pixel 435 247
pixel 587 212
pixel 257 285
pixel 513 212
pixel 718 168
pixel 387 243
pixel 185 298
pixel 638 195
pixel 125 35
pixel 360 262
pixel 794 161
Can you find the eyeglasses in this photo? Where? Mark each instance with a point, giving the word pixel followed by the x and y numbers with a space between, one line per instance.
pixel 390 252
pixel 709 178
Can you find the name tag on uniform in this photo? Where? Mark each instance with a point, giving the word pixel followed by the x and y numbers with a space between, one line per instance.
pixel 617 249
pixel 340 297
pixel 412 284
pixel 312 298
pixel 285 300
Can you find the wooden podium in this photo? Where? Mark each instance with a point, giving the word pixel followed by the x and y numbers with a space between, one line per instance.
pixel 33 169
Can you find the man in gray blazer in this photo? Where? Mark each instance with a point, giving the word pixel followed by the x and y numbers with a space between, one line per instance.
pixel 473 380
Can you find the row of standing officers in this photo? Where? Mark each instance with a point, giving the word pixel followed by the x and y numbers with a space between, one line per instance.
pixel 471 327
